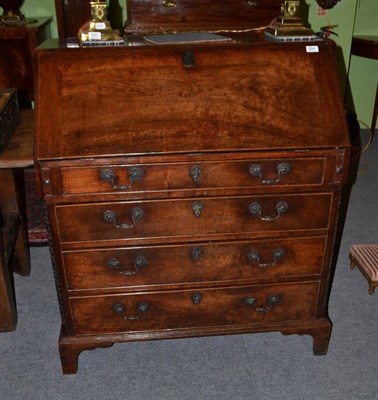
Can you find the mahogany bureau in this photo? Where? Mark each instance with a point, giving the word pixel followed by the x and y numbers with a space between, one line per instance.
pixel 190 200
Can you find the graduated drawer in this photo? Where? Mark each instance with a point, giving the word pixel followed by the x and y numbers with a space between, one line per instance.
pixel 192 217
pixel 132 267
pixel 184 176
pixel 194 308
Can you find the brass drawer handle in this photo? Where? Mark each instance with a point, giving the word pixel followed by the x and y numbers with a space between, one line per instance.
pixel 270 302
pixel 255 257
pixel 107 175
pixel 256 209
pixel 251 3
pixel 139 263
pixel 282 169
pixel 196 173
pixel 169 3
pixel 141 308
pixel 196 253
pixel 137 214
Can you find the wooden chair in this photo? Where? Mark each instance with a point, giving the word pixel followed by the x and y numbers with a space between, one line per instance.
pixel 14 251
pixel 365 257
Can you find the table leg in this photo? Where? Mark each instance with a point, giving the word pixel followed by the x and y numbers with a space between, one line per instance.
pixel 10 203
pixel 8 311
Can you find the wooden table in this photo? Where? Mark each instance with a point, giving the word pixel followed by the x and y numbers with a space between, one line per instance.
pixel 367 47
pixel 14 252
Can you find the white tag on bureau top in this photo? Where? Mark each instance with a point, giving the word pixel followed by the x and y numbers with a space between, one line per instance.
pixel 100 25
pixel 312 49
pixel 94 35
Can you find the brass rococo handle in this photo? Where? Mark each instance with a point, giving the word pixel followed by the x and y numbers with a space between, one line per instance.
pixel 270 302
pixel 107 175
pixel 282 169
pixel 139 263
pixel 110 216
pixel 141 308
pixel 256 209
pixel 255 257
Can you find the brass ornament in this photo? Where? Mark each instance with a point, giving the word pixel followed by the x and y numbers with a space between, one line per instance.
pixel 99 28
pixel 289 26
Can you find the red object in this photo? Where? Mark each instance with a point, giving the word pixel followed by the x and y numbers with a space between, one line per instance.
pixel 11 6
pixel 327 4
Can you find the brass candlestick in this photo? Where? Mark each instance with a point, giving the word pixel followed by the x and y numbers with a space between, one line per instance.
pixel 99 28
pixel 289 24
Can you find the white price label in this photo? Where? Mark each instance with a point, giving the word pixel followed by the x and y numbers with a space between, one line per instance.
pixel 312 49
pixel 100 25
pixel 94 35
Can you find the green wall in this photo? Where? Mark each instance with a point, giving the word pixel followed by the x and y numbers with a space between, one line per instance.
pixel 36 8
pixel 351 16
pixel 363 72
pixel 341 15
pixel 41 8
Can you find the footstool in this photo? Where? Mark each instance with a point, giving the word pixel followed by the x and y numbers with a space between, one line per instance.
pixel 365 257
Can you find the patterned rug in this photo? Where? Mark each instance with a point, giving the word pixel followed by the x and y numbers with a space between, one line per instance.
pixel 37 233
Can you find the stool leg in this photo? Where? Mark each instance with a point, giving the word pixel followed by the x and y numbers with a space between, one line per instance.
pixel 9 203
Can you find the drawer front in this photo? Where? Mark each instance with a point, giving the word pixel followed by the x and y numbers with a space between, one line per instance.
pixel 195 308
pixel 163 265
pixel 181 176
pixel 192 217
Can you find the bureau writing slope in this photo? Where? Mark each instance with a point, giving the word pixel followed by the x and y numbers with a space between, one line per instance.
pixel 190 200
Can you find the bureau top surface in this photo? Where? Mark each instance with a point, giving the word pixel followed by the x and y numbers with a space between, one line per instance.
pixel 245 94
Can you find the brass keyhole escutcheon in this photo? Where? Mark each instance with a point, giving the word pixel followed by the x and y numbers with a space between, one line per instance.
pixel 169 3
pixel 188 59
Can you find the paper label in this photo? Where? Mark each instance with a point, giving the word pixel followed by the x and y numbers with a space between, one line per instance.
pixel 321 12
pixel 94 35
pixel 100 25
pixel 312 49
